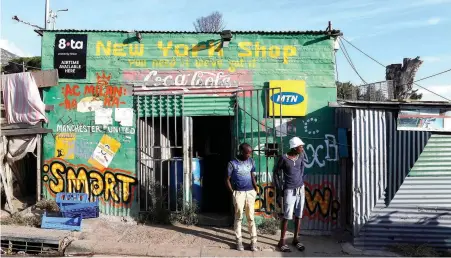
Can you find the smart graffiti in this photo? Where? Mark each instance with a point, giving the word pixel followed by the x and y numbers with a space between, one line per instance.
pixel 101 94
pixel 113 185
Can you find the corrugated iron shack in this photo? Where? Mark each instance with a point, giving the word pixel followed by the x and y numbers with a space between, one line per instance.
pixel 400 177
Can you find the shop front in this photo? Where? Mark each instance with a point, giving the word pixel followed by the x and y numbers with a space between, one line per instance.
pixel 159 114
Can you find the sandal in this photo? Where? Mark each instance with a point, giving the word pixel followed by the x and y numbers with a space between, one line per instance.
pixel 285 249
pixel 299 246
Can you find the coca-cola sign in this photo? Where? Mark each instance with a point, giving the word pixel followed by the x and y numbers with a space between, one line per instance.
pixel 187 80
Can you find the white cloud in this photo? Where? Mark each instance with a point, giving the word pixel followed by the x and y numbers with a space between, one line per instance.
pixel 431 59
pixel 443 90
pixel 11 47
pixel 430 2
pixel 434 21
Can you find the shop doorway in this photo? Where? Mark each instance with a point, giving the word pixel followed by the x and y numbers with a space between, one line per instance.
pixel 212 144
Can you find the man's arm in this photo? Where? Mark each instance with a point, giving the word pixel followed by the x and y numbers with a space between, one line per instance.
pixel 277 175
pixel 254 181
pixel 229 177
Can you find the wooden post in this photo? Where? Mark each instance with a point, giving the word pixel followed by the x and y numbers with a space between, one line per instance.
pixel 38 166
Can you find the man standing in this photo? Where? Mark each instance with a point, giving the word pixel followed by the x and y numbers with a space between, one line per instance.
pixel 241 183
pixel 289 180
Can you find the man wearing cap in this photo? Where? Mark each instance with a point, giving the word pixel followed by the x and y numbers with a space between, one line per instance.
pixel 289 181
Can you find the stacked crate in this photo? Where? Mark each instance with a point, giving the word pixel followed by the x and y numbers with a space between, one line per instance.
pixel 74 207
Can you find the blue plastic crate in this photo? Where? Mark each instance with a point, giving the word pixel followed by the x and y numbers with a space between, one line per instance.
pixel 73 224
pixel 86 210
pixel 64 198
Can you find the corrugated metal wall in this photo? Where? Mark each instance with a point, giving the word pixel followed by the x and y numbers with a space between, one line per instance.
pixel 193 105
pixel 370 163
pixel 435 159
pixel 420 212
pixel 391 206
pixel 324 203
pixel 403 150
pixel 383 156
pixel 209 106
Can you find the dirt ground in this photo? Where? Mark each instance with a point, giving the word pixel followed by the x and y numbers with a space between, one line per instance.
pixel 105 237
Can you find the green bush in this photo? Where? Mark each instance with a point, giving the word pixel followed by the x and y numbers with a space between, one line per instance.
pixel 269 226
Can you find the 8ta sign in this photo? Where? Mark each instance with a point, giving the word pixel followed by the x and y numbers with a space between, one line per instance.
pixel 70 55
pixel 62 44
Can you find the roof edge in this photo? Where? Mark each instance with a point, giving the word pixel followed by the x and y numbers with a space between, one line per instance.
pixel 308 32
pixel 389 104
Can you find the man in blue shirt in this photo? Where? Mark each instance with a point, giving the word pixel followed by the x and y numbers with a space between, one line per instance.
pixel 289 180
pixel 241 183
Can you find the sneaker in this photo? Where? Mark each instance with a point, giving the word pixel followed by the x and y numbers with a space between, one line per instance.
pixel 239 246
pixel 254 247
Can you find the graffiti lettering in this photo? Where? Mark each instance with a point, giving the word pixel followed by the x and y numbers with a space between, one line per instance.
pixel 321 202
pixel 251 49
pixel 312 154
pixel 137 63
pixel 265 202
pixel 218 82
pixel 119 49
pixel 182 50
pixel 263 177
pixel 195 78
pixel 108 95
pixel 94 129
pixel 116 186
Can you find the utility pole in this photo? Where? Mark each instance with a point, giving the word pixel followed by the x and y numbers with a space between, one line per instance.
pixel 47 11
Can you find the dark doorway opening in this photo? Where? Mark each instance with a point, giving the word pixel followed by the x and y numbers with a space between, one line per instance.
pixel 212 143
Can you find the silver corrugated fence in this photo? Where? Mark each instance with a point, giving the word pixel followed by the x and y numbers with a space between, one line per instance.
pixel 370 163
pixel 403 150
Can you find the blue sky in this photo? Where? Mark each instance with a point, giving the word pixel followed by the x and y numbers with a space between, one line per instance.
pixel 388 30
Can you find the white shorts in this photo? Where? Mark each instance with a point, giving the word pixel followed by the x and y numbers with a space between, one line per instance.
pixel 293 202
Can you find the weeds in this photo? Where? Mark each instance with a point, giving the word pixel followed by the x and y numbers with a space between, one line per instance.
pixel 188 213
pixel 187 216
pixel 269 226
pixel 31 220
pixel 158 212
pixel 47 205
pixel 18 219
pixel 423 250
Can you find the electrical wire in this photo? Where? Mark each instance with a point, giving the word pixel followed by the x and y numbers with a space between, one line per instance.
pixel 414 82
pixel 363 52
pixel 348 58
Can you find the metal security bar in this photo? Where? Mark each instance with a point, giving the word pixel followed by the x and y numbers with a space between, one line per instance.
pixel 160 148
pixel 256 126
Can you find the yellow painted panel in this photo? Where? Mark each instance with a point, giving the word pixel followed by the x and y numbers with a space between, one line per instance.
pixel 291 99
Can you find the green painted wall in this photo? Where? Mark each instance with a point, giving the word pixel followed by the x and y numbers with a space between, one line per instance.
pixel 435 158
pixel 250 62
